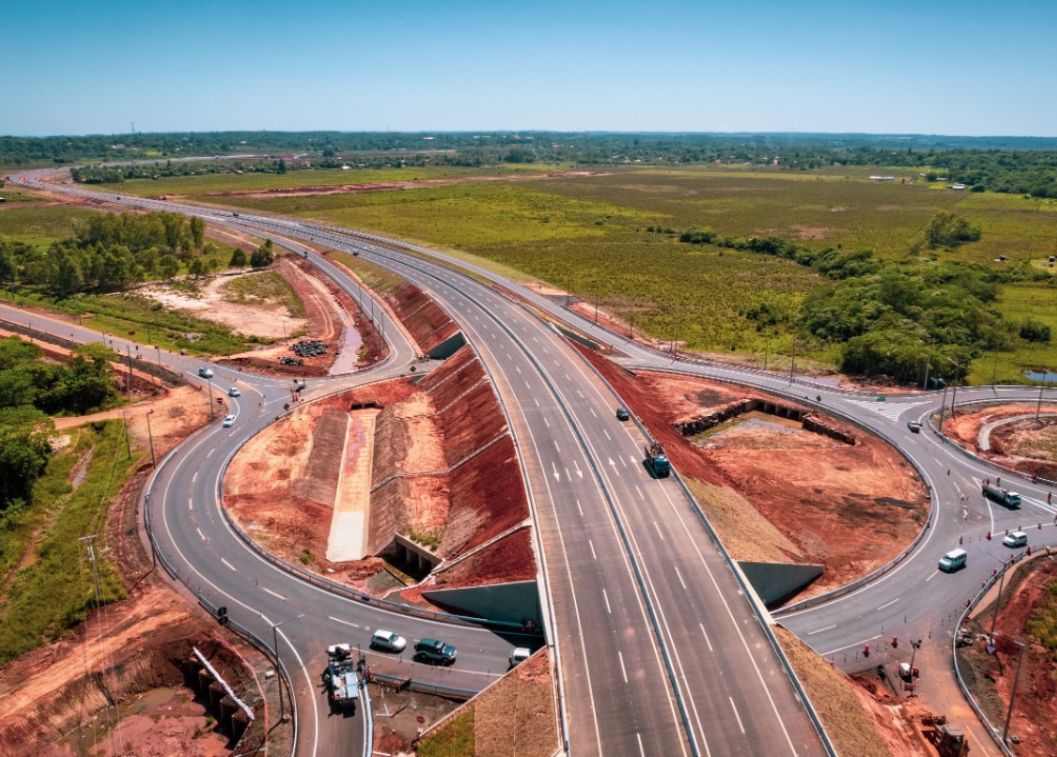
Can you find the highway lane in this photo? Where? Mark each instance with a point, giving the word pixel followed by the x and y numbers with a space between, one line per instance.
pixel 218 567
pixel 567 461
pixel 859 407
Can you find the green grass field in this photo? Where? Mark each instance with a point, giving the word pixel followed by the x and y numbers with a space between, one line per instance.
pixel 141 320
pixel 1018 302
pixel 40 555
pixel 587 234
pixel 40 224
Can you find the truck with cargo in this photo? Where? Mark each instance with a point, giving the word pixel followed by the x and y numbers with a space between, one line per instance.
pixel 1002 496
pixel 656 461
pixel 341 678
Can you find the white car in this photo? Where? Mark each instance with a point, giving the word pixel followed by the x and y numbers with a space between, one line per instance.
pixel 234 392
pixel 519 655
pixel 388 641
pixel 1016 539
pixel 229 421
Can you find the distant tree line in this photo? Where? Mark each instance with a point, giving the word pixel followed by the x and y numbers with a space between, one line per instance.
pixel 1019 165
pixel 893 318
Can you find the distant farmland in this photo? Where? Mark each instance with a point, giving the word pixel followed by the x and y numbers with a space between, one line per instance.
pixel 588 234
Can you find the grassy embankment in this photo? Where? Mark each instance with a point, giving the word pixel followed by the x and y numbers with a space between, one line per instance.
pixel 454 739
pixel 588 235
pixel 46 578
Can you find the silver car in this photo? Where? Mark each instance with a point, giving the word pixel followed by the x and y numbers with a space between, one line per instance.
pixel 388 641
pixel 229 421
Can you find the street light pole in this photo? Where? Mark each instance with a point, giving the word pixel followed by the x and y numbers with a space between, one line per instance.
pixel 275 646
pixel 1013 691
pixel 210 400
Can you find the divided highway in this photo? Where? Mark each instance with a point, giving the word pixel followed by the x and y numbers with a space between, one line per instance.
pixel 661 651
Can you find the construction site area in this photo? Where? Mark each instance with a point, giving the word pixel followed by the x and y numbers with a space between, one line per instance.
pixel 1020 654
pixel 1018 435
pixel 780 481
pixel 408 488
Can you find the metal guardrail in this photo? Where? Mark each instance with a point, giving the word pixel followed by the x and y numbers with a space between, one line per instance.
pixel 368 720
pixel 973 603
pixel 424 687
pixel 813 716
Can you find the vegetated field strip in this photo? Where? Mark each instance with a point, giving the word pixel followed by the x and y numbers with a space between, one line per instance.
pixel 141 321
pixel 47 581
pixel 587 234
pixel 1019 302
pixel 264 287
pixel 209 183
pixel 40 224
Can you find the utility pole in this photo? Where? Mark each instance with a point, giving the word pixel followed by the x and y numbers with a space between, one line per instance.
pixel 128 442
pixel 943 406
pixel 150 436
pixel 89 542
pixel 1013 691
pixel 210 398
pixel 128 348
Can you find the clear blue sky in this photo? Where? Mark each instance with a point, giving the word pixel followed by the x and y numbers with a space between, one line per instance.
pixel 927 66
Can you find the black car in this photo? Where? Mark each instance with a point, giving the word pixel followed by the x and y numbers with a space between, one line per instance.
pixel 435 652
pixel 623 414
pixel 914 426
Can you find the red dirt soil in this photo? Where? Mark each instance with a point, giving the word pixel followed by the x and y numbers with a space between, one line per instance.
pixel 324 323
pixel 1035 714
pixel 849 508
pixel 1007 440
pixel 450 417
pixel 129 647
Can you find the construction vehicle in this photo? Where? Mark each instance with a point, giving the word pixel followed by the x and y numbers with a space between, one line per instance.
pixel 948 739
pixel 657 461
pixel 341 679
pixel 1002 496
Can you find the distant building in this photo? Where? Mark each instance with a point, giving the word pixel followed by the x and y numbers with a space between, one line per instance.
pixel 958 186
pixel 876 177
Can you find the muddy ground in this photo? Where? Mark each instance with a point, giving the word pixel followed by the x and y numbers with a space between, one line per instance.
pixel 776 492
pixel 1027 614
pixel 1013 437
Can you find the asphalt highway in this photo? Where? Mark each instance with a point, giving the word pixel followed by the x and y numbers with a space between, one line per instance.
pixel 660 649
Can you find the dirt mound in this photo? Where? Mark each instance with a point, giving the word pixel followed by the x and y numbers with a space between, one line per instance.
pixel 848 507
pixel 1009 435
pixel 428 325
pixel 508 559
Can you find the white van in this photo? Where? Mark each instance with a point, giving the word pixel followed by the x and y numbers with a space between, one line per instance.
pixel 953 560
